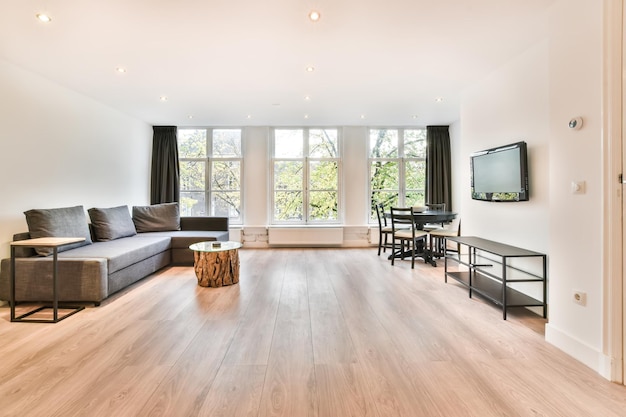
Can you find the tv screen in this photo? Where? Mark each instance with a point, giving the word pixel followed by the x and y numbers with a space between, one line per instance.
pixel 500 174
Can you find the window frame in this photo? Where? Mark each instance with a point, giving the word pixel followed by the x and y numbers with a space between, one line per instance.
pixel 208 162
pixel 306 161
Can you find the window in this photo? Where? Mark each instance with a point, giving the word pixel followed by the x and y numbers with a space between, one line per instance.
pixel 305 176
pixel 397 168
pixel 210 172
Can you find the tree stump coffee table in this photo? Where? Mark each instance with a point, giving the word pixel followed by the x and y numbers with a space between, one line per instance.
pixel 216 263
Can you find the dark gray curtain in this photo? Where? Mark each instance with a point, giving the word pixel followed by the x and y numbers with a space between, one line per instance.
pixel 438 169
pixel 165 183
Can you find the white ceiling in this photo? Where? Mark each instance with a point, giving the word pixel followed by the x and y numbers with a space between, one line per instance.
pixel 243 62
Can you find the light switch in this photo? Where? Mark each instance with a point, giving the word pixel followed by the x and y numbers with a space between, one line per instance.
pixel 578 187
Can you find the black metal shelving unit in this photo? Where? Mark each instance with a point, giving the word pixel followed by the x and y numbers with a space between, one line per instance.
pixel 492 285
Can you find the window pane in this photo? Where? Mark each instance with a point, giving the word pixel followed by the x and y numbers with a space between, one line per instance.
pixel 383 143
pixel 192 175
pixel 227 143
pixel 323 175
pixel 323 205
pixel 385 175
pixel 415 143
pixel 388 198
pixel 288 205
pixel 288 143
pixel 192 204
pixel 414 198
pixel 227 204
pixel 415 175
pixel 323 143
pixel 191 143
pixel 288 175
pixel 226 175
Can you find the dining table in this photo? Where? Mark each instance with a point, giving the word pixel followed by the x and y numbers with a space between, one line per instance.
pixel 422 218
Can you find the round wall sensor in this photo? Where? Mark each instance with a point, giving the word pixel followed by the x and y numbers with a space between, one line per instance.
pixel 576 123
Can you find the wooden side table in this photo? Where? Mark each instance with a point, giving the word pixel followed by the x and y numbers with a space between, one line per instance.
pixel 216 263
pixel 43 242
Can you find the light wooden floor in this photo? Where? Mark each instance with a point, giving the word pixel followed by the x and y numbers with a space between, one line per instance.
pixel 329 333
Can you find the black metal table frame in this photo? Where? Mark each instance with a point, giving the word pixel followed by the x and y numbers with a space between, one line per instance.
pixel 24 318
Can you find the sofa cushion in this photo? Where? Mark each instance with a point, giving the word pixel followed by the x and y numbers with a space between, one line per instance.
pixel 181 239
pixel 58 222
pixel 111 223
pixel 122 252
pixel 157 217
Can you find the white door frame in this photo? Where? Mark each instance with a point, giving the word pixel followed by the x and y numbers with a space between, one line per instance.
pixel 612 147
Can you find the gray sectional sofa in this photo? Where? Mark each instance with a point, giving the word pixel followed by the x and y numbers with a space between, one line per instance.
pixel 115 253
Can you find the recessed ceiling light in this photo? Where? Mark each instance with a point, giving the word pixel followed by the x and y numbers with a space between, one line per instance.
pixel 43 17
pixel 190 116
pixel 362 116
pixel 121 70
pixel 415 116
pixel 249 116
pixel 163 98
pixel 307 98
pixel 306 116
pixel 314 15
pixel 439 99
pixel 310 69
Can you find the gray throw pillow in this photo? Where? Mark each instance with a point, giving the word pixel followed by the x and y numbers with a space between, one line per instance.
pixel 156 218
pixel 58 222
pixel 111 223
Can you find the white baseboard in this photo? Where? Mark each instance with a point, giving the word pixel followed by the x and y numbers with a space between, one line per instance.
pixel 579 350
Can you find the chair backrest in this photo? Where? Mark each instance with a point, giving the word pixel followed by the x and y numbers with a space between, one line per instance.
pixel 380 214
pixel 401 217
pixel 436 206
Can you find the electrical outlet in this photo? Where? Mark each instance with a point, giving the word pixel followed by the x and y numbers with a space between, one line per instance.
pixel 579 297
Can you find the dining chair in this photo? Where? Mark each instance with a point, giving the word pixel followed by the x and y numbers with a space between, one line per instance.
pixel 438 237
pixel 434 207
pixel 404 229
pixel 384 231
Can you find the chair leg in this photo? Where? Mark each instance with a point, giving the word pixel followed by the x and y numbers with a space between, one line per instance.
pixel 380 239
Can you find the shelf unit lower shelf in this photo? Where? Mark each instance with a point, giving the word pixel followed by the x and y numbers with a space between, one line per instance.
pixel 492 290
pixel 496 289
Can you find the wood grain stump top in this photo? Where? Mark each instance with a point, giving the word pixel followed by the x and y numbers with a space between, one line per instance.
pixel 216 266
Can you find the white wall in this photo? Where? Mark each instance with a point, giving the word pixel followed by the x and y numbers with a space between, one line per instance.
pixel 509 105
pixel 355 172
pixel 60 148
pixel 576 220
pixel 532 98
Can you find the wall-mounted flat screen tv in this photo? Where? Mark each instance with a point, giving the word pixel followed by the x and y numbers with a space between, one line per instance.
pixel 500 174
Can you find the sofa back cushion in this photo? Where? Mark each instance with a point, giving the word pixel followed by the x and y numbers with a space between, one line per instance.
pixel 111 223
pixel 58 222
pixel 156 218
